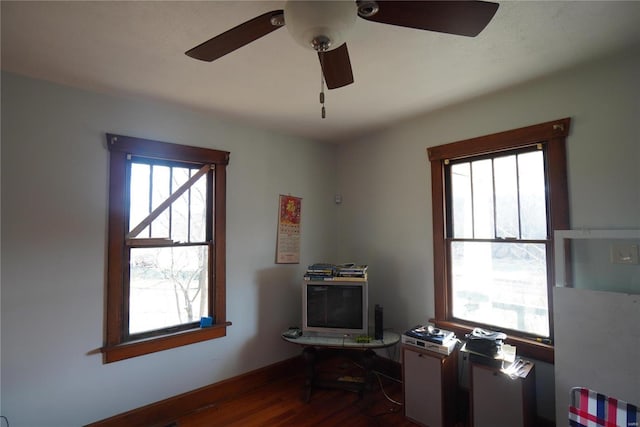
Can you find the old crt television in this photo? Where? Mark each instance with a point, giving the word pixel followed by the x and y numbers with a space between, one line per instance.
pixel 335 308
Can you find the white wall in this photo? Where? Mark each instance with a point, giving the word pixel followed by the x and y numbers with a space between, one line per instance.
pixel 54 221
pixel 385 218
pixel 54 195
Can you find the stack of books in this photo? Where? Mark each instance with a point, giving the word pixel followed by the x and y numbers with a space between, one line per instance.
pixel 340 272
pixel 320 271
pixel 430 338
pixel 351 270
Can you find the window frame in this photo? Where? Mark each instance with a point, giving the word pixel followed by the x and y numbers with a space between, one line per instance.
pixel 552 137
pixel 117 346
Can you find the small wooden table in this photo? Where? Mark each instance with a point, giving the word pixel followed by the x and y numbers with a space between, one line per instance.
pixel 348 346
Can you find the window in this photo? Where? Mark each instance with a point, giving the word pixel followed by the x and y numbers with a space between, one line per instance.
pixel 496 201
pixel 166 250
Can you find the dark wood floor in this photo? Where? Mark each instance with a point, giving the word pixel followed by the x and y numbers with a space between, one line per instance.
pixel 281 403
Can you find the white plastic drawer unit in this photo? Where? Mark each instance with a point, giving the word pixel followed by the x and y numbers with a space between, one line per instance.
pixel 429 387
pixel 498 400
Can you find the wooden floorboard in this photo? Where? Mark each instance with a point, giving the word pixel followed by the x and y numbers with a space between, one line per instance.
pixel 274 396
pixel 281 403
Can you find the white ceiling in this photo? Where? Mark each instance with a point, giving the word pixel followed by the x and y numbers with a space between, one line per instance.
pixel 137 48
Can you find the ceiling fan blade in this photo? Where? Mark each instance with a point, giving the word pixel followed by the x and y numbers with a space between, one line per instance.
pixel 336 67
pixel 235 38
pixel 465 18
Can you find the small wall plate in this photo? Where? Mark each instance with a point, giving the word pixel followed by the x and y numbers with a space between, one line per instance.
pixel 623 253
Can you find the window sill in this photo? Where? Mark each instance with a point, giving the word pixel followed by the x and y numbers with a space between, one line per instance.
pixel 151 345
pixel 524 347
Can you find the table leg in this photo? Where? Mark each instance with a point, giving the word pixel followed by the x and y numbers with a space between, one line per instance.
pixel 309 355
pixel 368 361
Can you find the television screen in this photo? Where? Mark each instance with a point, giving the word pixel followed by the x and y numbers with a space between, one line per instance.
pixel 335 306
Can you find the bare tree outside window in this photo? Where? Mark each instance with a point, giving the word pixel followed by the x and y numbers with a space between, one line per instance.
pixel 168 284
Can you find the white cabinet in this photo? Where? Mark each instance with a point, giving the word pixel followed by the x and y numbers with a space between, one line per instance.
pixel 498 400
pixel 429 387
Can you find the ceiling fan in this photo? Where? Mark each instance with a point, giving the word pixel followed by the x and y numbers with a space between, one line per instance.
pixel 325 25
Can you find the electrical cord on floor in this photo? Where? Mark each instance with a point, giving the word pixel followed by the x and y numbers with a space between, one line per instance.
pixel 388 377
pixel 390 410
pixel 6 420
pixel 378 375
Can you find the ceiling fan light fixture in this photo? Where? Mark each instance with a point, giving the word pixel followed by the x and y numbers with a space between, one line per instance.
pixel 320 25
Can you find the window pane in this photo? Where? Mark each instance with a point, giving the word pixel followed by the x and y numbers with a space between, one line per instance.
pixel 160 192
pixel 180 208
pixel 506 183
pixel 139 196
pixel 168 287
pixel 533 211
pixel 501 284
pixel 482 200
pixel 198 229
pixel 461 200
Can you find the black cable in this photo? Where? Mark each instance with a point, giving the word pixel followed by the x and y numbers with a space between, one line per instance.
pixel 6 420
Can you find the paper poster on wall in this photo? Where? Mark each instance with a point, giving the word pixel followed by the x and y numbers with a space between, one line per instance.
pixel 288 245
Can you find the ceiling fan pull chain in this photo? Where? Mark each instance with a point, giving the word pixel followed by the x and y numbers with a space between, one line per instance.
pixel 324 112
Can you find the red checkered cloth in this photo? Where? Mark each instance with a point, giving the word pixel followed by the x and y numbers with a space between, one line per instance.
pixel 591 409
